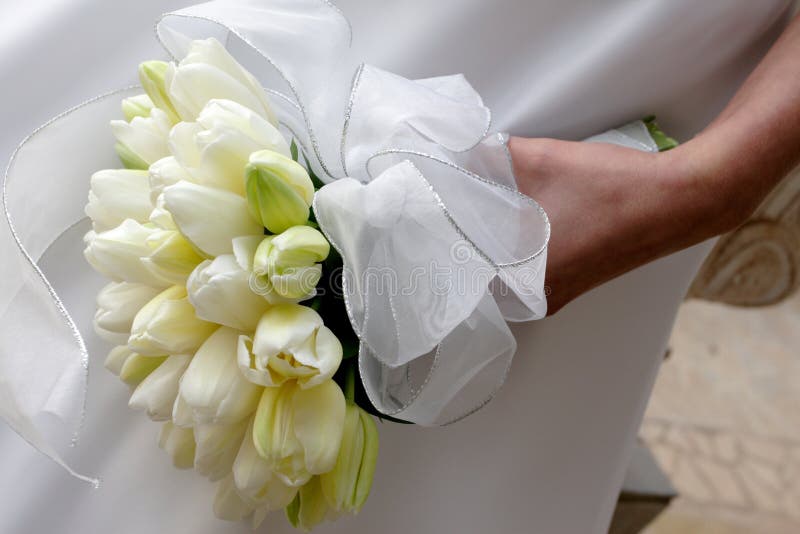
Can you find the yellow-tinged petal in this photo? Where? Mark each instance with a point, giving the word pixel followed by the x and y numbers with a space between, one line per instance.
pixel 178 443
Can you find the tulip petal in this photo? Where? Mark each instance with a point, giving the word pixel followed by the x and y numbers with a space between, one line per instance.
pixel 210 218
pixel 318 415
pixel 213 387
pixel 116 195
pixel 178 443
pixel 156 394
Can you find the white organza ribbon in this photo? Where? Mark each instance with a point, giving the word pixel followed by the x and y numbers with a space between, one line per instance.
pixel 440 249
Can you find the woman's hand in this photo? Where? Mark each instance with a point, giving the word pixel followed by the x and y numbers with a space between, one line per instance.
pixel 613 209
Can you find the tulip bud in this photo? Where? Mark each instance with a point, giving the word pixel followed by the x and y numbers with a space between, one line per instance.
pixel 117 305
pixel 178 443
pixel 213 388
pixel 156 394
pixel 347 486
pixel 137 367
pixel 143 140
pixel 116 195
pixel 172 258
pixel 279 191
pixel 217 447
pixel 298 431
pixel 116 358
pixel 168 325
pixel 207 72
pixel 309 508
pixel 136 106
pixel 288 263
pixel 228 505
pixel 220 292
pixel 210 218
pixel 290 344
pixel 255 482
pixel 151 76
pixel 116 253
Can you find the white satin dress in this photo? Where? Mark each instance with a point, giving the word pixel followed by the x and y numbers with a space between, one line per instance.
pixel 548 455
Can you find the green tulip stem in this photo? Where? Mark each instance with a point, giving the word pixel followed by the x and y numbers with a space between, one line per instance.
pixel 350 384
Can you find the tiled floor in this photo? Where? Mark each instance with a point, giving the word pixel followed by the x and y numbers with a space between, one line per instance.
pixel 724 421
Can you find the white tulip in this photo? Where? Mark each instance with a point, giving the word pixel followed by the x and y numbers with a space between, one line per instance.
pixel 254 479
pixel 310 508
pixel 347 486
pixel 217 447
pixel 207 72
pixel 116 195
pixel 168 325
pixel 117 305
pixel 298 431
pixel 143 140
pixel 151 76
pixel 117 253
pixel 156 394
pixel 290 343
pixel 160 217
pixel 137 367
pixel 288 263
pixel 209 217
pixel 220 292
pixel 178 443
pixel 212 387
pixel 244 250
pixel 164 172
pixel 116 358
pixel 136 106
pixel 228 505
pixel 172 258
pixel 216 150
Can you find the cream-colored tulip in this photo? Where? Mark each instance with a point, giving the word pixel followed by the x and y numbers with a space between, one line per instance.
pixel 228 504
pixel 116 195
pixel 116 358
pixel 298 431
pixel 137 367
pixel 136 106
pixel 310 508
pixel 279 190
pixel 151 76
pixel 217 447
pixel 213 388
pixel 178 443
pixel 210 218
pixel 290 344
pixel 216 149
pixel 255 482
pixel 117 253
pixel 347 486
pixel 165 172
pixel 207 72
pixel 156 394
pixel 288 263
pixel 172 258
pixel 117 305
pixel 168 325
pixel 220 292
pixel 143 140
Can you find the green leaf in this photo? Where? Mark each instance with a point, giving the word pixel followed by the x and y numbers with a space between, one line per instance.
pixel 662 140
pixel 293 511
pixel 293 150
pixel 318 184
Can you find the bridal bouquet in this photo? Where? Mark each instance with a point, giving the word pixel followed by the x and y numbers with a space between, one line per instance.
pixel 297 243
pixel 226 325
